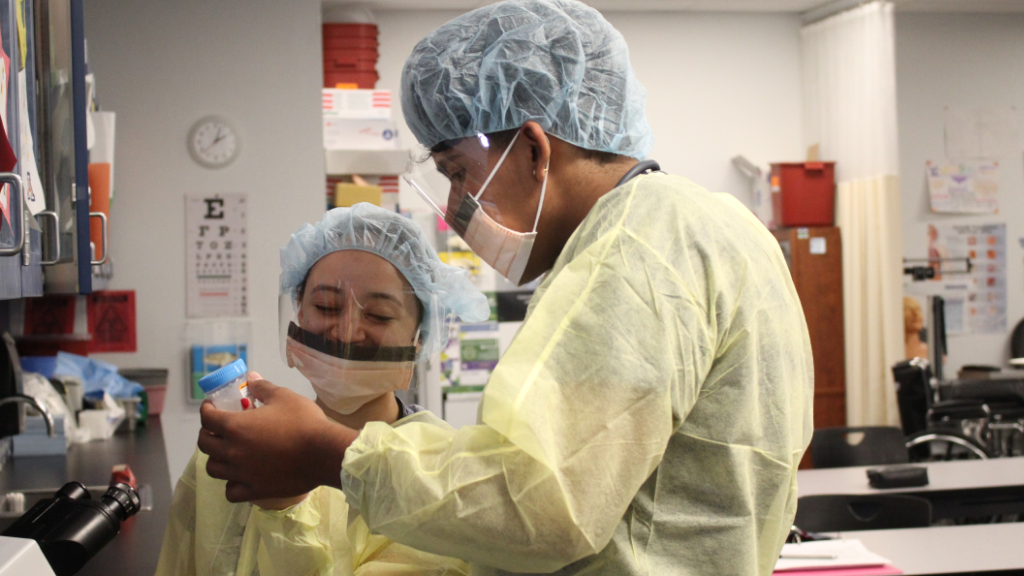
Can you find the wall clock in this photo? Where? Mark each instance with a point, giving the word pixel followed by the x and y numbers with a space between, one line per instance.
pixel 213 142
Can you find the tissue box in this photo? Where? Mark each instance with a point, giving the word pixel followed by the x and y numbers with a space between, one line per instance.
pixel 99 424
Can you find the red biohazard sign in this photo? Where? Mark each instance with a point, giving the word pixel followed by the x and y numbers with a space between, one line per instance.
pixel 112 321
pixel 49 315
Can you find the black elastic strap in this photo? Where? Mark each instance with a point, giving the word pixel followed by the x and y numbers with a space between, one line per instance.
pixel 351 351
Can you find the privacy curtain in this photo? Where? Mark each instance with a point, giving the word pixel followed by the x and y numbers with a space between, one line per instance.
pixel 849 76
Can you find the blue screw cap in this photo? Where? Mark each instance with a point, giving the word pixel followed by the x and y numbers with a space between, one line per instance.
pixel 215 380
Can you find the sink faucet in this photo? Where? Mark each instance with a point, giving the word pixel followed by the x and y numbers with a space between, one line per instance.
pixel 25 399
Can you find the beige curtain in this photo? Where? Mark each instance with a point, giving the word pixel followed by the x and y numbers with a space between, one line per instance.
pixel 849 77
pixel 868 213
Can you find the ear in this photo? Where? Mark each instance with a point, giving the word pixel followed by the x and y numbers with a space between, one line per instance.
pixel 540 148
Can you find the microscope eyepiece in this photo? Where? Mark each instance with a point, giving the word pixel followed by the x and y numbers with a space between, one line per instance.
pixel 121 500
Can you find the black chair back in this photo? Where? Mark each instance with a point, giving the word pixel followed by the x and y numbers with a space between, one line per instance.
pixel 1017 341
pixel 844 513
pixel 913 394
pixel 860 446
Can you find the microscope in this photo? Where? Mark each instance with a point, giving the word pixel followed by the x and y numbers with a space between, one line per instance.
pixel 58 535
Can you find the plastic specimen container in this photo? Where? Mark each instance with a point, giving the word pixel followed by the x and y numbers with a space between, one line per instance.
pixel 228 387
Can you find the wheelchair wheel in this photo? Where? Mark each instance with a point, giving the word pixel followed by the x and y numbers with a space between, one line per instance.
pixel 943 445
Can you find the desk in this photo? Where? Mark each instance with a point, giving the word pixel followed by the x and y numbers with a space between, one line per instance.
pixel 978 548
pixel 956 489
pixel 135 550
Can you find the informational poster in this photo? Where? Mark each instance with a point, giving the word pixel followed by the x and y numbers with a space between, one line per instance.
pixel 966 187
pixel 215 239
pixel 975 301
pixel 981 132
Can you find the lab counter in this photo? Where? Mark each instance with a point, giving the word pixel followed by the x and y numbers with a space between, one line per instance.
pixel 135 550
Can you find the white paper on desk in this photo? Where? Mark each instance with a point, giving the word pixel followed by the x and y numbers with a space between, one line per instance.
pixel 848 553
pixel 981 132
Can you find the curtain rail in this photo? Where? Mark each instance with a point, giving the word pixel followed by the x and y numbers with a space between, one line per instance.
pixel 830 9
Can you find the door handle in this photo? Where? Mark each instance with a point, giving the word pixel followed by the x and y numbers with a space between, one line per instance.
pixel 56 236
pixel 106 244
pixel 15 181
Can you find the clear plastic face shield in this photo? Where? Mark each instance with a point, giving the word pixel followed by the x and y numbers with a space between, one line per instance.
pixel 458 186
pixel 353 329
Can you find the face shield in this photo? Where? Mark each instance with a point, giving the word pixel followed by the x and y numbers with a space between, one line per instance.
pixel 352 329
pixel 459 169
pixel 459 190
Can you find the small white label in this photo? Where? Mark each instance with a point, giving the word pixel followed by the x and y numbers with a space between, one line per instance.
pixel 817 245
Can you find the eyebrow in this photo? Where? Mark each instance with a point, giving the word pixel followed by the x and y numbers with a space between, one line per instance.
pixel 371 295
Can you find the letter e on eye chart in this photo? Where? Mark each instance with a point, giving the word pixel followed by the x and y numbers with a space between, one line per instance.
pixel 215 248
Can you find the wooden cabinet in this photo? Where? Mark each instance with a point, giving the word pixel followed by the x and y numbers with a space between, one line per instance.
pixel 815 258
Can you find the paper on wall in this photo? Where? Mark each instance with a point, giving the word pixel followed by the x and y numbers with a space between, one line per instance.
pixel 969 186
pixel 103 148
pixel 215 237
pixel 30 179
pixel 975 302
pixel 981 132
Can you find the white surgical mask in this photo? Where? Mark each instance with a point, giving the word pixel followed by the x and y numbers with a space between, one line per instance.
pixel 347 385
pixel 504 249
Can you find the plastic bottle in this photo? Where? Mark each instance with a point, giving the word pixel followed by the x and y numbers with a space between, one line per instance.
pixel 228 387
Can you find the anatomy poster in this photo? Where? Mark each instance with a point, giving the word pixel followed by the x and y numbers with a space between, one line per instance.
pixel 975 301
pixel 970 187
pixel 216 255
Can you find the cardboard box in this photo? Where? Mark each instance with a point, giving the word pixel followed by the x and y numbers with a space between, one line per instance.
pixel 357 104
pixel 347 134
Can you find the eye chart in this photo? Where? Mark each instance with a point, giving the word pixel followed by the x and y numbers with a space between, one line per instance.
pixel 216 255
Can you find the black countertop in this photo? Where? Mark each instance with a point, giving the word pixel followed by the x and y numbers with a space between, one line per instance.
pixel 135 550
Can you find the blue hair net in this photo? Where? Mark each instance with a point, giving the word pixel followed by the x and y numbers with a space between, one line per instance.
pixel 442 289
pixel 556 62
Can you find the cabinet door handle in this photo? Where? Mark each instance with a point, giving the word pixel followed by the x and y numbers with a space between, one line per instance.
pixel 56 236
pixel 15 181
pixel 106 244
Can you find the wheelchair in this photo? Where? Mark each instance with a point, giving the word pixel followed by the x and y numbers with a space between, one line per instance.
pixel 938 430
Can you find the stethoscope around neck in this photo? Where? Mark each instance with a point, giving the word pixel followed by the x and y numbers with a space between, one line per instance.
pixel 641 167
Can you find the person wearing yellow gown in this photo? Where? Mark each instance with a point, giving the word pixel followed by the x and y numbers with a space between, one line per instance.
pixel 370 297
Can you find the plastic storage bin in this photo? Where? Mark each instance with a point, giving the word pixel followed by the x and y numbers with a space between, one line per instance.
pixel 359 80
pixel 349 30
pixel 804 193
pixel 154 380
pixel 350 54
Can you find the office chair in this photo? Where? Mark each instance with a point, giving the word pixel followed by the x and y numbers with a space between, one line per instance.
pixel 1017 341
pixel 839 447
pixel 845 513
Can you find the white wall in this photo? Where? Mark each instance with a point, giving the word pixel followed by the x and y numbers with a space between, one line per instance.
pixel 161 66
pixel 960 60
pixel 718 85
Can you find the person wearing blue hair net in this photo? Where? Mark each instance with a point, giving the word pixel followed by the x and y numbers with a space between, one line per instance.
pixel 650 414
pixel 363 297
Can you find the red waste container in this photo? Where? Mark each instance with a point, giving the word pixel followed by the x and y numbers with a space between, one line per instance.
pixel 804 193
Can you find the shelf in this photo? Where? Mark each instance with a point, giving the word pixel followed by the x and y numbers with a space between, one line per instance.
pixel 365 162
